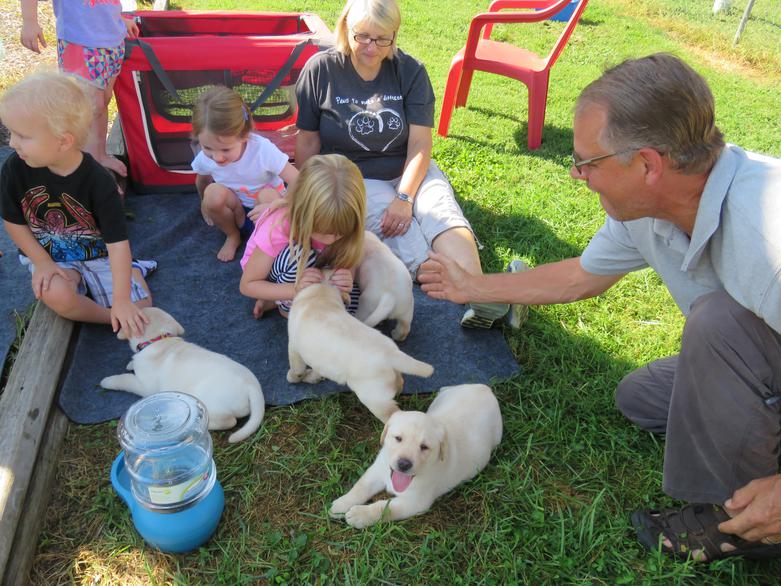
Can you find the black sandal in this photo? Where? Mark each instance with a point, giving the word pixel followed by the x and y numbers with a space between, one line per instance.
pixel 695 527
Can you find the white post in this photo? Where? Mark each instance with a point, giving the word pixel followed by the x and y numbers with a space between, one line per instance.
pixel 743 21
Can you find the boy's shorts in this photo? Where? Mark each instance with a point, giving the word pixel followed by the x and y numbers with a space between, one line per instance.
pixel 96 278
pixel 97 65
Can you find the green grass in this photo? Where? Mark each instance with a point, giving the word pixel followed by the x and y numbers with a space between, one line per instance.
pixel 552 506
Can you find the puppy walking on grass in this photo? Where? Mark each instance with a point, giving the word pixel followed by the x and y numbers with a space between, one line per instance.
pixel 336 346
pixel 424 455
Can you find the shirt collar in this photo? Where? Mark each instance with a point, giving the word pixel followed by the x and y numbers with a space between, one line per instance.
pixel 709 211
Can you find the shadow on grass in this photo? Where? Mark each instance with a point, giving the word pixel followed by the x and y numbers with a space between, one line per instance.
pixel 556 140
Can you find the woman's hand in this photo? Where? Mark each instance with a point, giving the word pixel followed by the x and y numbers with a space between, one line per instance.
pixel 342 279
pixel 396 218
pixel 310 276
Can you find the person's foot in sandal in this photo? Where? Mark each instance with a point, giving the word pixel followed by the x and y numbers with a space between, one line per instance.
pixel 692 531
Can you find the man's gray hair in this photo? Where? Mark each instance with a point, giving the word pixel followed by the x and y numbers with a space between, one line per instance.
pixel 659 102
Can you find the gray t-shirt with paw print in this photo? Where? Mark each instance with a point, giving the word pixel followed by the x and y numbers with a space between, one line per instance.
pixel 366 121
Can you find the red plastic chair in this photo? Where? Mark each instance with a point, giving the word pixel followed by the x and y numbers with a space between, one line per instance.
pixel 483 54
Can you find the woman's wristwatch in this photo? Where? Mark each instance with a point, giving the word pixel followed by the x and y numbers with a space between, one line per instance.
pixel 404 197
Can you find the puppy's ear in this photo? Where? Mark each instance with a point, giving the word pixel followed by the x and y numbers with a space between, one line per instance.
pixel 177 327
pixel 443 446
pixel 384 433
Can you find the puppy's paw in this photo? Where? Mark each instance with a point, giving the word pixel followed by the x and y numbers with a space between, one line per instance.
pixel 129 366
pixel 361 516
pixel 400 332
pixel 111 383
pixel 312 377
pixel 340 506
pixel 295 377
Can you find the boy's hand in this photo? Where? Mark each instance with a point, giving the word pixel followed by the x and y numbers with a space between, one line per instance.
pixel 342 279
pixel 131 26
pixel 310 276
pixel 31 35
pixel 129 317
pixel 42 277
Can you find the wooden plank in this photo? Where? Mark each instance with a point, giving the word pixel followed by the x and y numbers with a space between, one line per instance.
pixel 24 412
pixel 36 502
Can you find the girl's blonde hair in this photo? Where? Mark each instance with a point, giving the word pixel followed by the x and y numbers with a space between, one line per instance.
pixel 64 102
pixel 328 197
pixel 383 14
pixel 223 112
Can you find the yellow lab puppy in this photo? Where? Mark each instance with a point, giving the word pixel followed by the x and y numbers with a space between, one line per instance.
pixel 424 455
pixel 336 346
pixel 165 362
pixel 386 288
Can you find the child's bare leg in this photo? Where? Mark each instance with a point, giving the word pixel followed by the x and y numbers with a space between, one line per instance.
pixel 63 298
pixel 96 144
pixel 261 307
pixel 223 208
pixel 139 278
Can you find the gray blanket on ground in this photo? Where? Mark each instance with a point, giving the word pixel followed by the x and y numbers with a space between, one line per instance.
pixel 202 294
pixel 16 295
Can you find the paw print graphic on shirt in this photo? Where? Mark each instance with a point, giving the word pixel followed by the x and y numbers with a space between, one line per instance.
pixel 394 123
pixel 364 125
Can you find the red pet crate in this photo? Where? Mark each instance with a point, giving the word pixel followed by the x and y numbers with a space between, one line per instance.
pixel 181 54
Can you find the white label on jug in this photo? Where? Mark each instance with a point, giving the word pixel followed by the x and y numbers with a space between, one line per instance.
pixel 169 495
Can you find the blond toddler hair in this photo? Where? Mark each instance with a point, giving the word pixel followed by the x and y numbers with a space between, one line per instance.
pixel 63 101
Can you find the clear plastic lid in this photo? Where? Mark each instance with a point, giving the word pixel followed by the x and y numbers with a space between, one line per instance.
pixel 168 450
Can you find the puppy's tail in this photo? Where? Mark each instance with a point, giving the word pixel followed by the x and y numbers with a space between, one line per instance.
pixel 257 409
pixel 409 365
pixel 382 311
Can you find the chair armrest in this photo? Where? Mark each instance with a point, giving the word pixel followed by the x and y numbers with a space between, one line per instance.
pixel 543 9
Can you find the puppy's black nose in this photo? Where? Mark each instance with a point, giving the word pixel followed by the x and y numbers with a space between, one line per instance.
pixel 403 464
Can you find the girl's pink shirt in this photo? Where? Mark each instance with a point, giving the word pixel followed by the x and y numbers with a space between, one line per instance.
pixel 272 235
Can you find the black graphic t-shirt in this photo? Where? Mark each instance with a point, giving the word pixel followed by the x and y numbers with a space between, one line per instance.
pixel 72 217
pixel 366 121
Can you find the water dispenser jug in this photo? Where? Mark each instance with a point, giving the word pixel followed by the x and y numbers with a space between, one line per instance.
pixel 166 474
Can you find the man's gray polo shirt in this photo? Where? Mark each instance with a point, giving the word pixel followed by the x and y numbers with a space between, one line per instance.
pixel 735 245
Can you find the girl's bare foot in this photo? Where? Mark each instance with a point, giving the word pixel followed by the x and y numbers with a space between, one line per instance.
pixel 228 251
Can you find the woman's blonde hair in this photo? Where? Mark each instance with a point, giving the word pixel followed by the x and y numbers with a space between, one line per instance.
pixel 223 112
pixel 383 14
pixel 328 197
pixel 63 101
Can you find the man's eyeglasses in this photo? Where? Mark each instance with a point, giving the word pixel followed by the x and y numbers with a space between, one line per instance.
pixel 364 39
pixel 578 163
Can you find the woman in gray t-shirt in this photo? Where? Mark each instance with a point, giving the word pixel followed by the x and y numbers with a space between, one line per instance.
pixel 368 100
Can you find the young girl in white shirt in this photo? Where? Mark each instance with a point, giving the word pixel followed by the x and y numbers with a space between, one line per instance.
pixel 238 172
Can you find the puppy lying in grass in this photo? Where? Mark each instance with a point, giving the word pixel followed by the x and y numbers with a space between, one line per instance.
pixel 424 455
pixel 386 288
pixel 335 345
pixel 165 362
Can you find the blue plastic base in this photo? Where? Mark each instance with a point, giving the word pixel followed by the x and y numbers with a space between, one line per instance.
pixel 564 14
pixel 177 532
